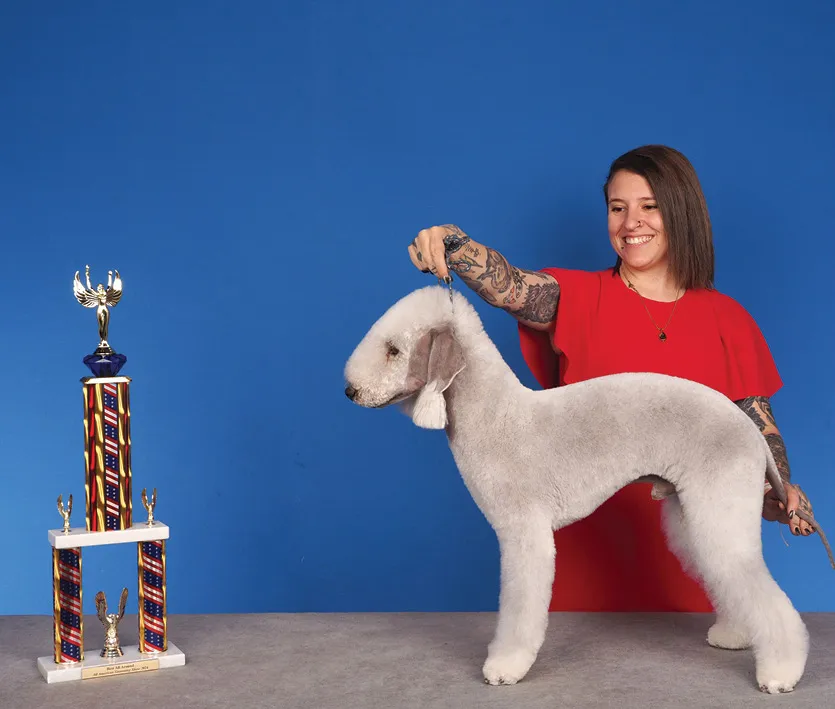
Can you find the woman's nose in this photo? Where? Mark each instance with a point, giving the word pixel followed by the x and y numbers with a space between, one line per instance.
pixel 633 221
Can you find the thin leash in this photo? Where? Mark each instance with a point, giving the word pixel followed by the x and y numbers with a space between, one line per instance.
pixel 449 284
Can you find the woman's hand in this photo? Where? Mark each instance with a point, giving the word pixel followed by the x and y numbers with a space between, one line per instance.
pixel 776 511
pixel 428 250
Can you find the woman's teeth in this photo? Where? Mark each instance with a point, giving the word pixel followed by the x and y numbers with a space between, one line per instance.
pixel 633 240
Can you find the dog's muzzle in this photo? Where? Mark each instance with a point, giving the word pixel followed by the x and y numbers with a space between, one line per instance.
pixel 350 392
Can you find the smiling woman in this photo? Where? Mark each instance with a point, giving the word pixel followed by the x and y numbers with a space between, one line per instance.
pixel 671 253
pixel 655 310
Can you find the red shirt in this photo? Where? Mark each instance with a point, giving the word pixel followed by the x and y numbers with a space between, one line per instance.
pixel 617 559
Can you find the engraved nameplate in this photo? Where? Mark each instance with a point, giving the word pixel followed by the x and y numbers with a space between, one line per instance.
pixel 122 668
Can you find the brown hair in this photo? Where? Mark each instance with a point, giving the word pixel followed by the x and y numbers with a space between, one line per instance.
pixel 683 210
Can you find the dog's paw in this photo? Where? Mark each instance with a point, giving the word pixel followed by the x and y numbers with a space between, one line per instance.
pixel 507 667
pixel 776 686
pixel 778 678
pixel 727 637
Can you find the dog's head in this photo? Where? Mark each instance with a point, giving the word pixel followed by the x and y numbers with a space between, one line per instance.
pixel 410 357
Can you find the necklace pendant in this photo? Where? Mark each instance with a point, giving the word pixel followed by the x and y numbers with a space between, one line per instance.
pixel 662 336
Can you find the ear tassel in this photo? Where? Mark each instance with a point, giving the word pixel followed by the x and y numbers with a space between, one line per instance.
pixel 430 408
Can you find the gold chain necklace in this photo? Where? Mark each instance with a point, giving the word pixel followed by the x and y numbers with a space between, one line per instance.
pixel 661 334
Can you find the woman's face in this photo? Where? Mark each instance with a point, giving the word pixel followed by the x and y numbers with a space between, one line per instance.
pixel 636 230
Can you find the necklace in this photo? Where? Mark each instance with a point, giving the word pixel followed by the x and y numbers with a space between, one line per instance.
pixel 661 334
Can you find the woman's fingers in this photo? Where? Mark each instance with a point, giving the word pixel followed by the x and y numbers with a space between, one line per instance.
pixel 423 253
pixel 805 506
pixel 792 503
pixel 772 510
pixel 776 511
pixel 417 258
pixel 438 251
pixel 796 500
pixel 427 252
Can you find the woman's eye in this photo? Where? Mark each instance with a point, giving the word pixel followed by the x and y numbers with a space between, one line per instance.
pixel 617 209
pixel 650 206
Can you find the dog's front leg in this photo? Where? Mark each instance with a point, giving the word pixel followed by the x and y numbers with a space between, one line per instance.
pixel 527 576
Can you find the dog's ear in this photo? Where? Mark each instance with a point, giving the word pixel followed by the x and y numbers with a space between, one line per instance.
pixel 438 358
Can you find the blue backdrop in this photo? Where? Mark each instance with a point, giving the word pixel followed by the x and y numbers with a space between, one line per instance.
pixel 256 170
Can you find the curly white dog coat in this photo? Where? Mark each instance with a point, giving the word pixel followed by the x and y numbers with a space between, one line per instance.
pixel 535 461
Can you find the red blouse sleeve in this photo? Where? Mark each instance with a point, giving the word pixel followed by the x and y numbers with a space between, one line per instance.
pixel 751 370
pixel 541 349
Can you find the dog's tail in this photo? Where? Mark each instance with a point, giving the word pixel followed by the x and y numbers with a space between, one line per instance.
pixel 772 474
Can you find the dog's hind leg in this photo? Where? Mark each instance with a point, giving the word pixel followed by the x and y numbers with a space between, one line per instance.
pixel 726 546
pixel 724 633
pixel 527 576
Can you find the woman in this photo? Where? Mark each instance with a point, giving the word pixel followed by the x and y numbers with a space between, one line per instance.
pixel 655 310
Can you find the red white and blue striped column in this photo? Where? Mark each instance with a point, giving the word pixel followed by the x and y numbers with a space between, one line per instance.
pixel 68 621
pixel 107 453
pixel 153 622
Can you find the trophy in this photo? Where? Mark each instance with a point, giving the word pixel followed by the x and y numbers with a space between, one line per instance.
pixel 65 513
pixel 108 493
pixel 111 623
pixel 149 505
pixel 104 361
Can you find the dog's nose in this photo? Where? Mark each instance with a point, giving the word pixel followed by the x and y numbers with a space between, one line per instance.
pixel 350 392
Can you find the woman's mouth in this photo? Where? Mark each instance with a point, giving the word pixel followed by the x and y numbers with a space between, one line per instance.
pixel 637 240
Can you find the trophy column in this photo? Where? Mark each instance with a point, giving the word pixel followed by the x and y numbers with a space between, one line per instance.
pixel 107 449
pixel 153 623
pixel 68 621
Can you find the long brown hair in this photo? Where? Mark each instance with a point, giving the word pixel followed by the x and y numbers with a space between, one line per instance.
pixel 683 210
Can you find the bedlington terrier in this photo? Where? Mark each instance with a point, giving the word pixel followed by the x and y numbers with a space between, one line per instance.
pixel 535 461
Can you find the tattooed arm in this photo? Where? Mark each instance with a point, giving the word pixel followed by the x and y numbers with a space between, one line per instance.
pixel 529 296
pixel 759 409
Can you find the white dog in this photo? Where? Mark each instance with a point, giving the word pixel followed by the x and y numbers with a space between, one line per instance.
pixel 535 461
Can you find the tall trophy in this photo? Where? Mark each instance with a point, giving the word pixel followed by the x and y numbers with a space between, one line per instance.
pixel 109 520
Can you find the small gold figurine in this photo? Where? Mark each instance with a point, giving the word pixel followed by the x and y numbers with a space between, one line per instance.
pixel 99 298
pixel 65 513
pixel 110 621
pixel 149 505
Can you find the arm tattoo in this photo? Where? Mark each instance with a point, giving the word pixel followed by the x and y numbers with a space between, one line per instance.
pixel 541 303
pixel 749 406
pixel 465 264
pixel 759 409
pixel 498 271
pixel 765 405
pixel 525 294
pixel 778 450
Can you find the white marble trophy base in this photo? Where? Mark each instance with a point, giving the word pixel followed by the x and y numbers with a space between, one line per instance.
pixel 80 537
pixel 93 666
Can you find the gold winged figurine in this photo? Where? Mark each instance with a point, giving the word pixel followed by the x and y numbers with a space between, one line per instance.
pixel 99 298
pixel 149 505
pixel 65 512
pixel 110 621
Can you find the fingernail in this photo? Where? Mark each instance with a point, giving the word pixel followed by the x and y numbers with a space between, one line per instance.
pixel 791 514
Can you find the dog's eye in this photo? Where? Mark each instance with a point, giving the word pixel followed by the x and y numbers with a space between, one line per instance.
pixel 392 350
